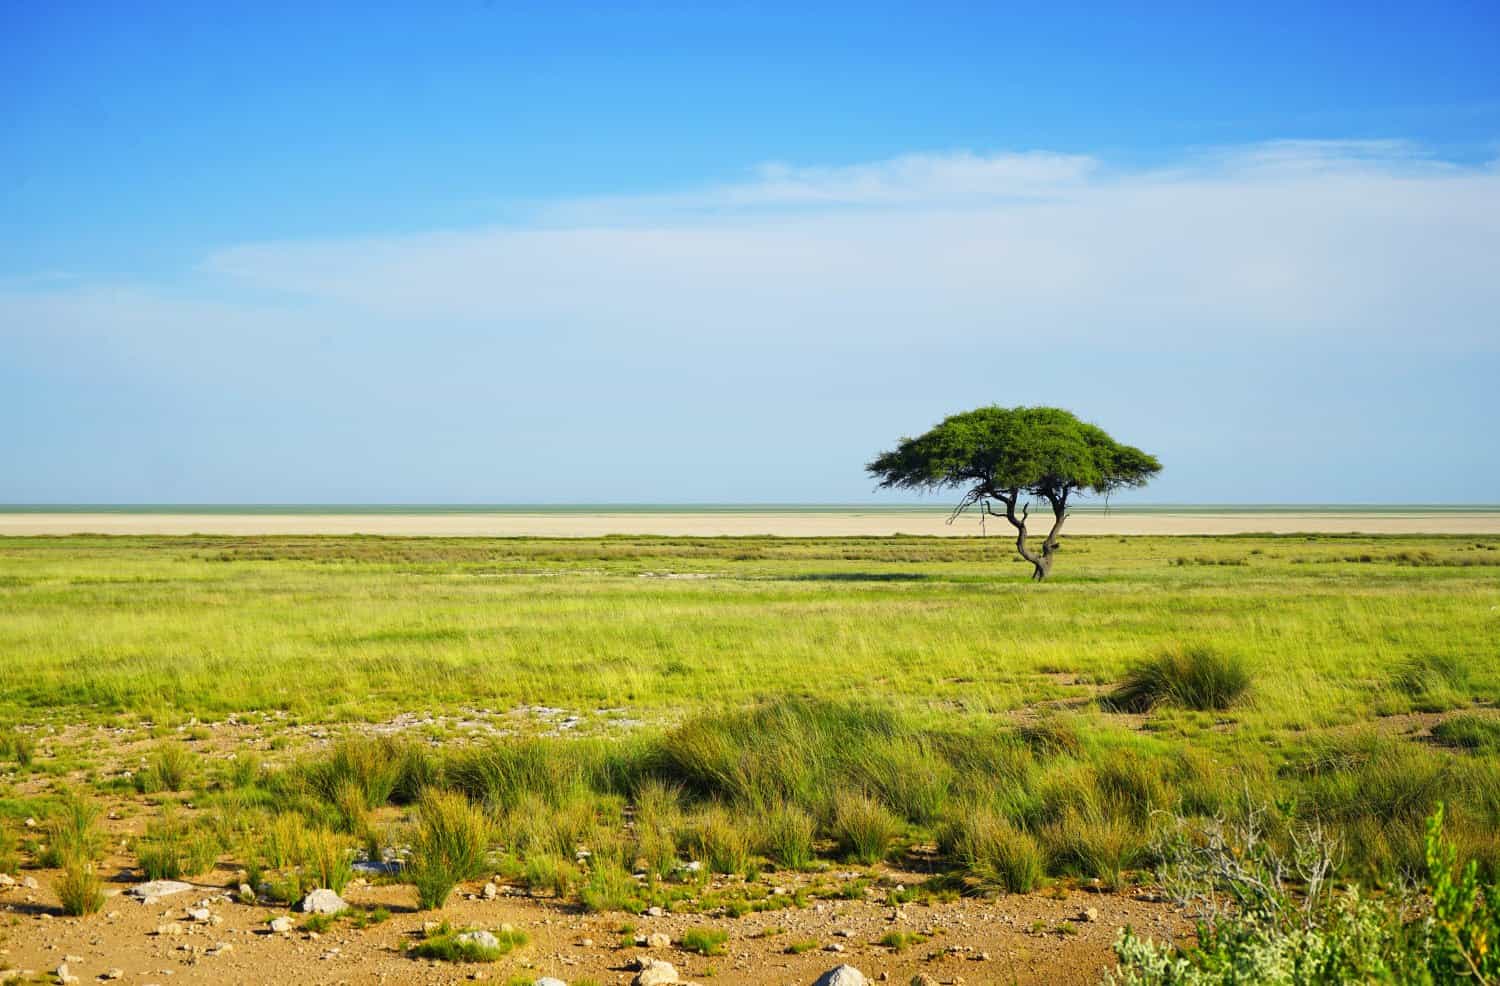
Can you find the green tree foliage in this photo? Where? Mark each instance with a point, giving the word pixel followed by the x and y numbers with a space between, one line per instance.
pixel 1008 456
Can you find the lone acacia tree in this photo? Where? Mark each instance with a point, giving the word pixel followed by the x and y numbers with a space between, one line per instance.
pixel 1009 455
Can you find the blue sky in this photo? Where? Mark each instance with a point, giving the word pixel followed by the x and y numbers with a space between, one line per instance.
pixel 664 253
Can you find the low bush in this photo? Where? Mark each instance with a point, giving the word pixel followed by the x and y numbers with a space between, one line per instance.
pixel 1198 678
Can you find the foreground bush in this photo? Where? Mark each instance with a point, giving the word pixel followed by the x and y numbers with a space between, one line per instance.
pixel 1192 678
pixel 1255 930
pixel 169 768
pixel 73 833
pixel 448 845
pixel 864 828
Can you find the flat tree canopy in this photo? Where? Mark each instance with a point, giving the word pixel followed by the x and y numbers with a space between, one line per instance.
pixel 1009 455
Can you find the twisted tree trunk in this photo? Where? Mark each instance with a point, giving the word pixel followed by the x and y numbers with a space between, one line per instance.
pixel 1041 563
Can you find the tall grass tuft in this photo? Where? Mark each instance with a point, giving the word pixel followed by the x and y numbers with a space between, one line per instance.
pixel 789 833
pixel 10 861
pixel 863 827
pixel 73 833
pixel 993 853
pixel 722 842
pixel 1435 682
pixel 79 889
pixel 658 817
pixel 448 845
pixel 610 888
pixel 1097 843
pixel 369 765
pixel 329 860
pixel 1191 678
pixel 169 768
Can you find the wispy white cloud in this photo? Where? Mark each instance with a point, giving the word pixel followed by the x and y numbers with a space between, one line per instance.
pixel 1344 243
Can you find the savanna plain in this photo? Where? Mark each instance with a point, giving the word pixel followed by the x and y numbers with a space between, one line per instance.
pixel 752 758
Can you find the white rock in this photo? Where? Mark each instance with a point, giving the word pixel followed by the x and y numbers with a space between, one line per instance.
pixel 114 974
pixel 6 880
pixel 844 975
pixel 1090 914
pixel 323 901
pixel 483 939
pixel 281 925
pixel 658 939
pixel 655 972
pixel 490 891
pixel 158 888
pixel 200 914
pixel 549 981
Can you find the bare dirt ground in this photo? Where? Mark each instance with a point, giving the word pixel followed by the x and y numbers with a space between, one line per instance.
pixel 714 524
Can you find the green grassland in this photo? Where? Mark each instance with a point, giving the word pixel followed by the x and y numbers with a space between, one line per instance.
pixel 856 699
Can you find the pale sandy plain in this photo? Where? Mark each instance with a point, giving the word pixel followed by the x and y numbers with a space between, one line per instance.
pixel 853 523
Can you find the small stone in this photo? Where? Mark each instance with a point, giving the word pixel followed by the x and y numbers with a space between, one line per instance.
pixel 490 891
pixel 654 912
pixel 323 901
pixel 170 928
pixel 29 883
pixel 1089 914
pixel 844 975
pixel 658 939
pixel 586 943
pixel 835 947
pixel 281 925
pixel 65 975
pixel 200 914
pixel 6 880
pixel 114 974
pixel 548 981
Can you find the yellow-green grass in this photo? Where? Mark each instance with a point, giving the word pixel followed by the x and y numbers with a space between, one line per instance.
pixel 361 628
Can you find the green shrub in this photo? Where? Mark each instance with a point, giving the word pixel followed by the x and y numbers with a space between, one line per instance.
pixel 863 827
pixel 448 845
pixel 79 890
pixel 992 853
pixel 1191 678
pixel 789 836
pixel 169 768
pixel 721 840
pixel 705 941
